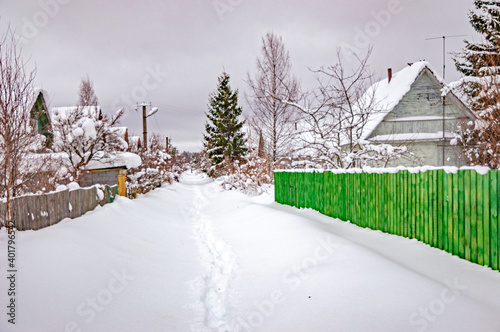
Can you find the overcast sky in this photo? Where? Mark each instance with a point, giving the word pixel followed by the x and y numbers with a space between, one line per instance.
pixel 170 53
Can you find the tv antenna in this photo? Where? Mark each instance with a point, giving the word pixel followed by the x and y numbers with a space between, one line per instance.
pixel 444 49
pixel 444 97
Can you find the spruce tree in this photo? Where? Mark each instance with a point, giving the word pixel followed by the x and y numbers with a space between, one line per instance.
pixel 480 61
pixel 224 139
pixel 480 64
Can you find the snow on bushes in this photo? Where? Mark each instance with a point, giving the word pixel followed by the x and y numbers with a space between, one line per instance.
pixel 157 168
pixel 251 175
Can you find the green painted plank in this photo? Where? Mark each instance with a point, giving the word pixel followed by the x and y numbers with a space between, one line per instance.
pixel 405 200
pixel 399 187
pixel 480 202
pixel 335 190
pixel 378 191
pixel 418 206
pixel 338 193
pixel 366 199
pixel 461 214
pixel 414 203
pixel 326 190
pixel 331 202
pixel 473 215
pixel 447 212
pixel 402 205
pixel 309 190
pixel 321 192
pixel 441 197
pixel 373 212
pixel 434 207
pixel 424 228
pixel 395 205
pixel 387 201
pixel 357 199
pixel 486 219
pixel 456 214
pixel 494 206
pixel 467 204
pixel 390 205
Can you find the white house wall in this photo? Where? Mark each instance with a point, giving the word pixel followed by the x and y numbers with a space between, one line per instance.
pixel 423 108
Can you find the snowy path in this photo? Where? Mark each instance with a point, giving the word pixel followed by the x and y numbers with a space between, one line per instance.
pixel 191 257
pixel 221 262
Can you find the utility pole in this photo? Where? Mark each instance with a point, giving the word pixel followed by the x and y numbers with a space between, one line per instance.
pixel 444 96
pixel 144 128
pixel 144 123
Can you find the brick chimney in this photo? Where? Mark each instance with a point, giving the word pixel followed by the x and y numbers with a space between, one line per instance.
pixel 389 74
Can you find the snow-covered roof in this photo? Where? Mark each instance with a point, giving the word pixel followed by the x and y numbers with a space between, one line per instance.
pixel 133 141
pixel 121 130
pixel 36 93
pixel 387 95
pixel 120 159
pixel 61 111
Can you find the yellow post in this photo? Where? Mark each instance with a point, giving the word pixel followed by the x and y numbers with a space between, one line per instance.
pixel 122 189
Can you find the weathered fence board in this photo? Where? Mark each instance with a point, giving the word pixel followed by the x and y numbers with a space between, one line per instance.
pixel 454 211
pixel 35 212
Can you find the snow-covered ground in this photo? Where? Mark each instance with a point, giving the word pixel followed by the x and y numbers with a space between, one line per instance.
pixel 192 257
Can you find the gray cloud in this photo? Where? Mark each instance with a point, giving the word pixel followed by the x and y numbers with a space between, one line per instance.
pixel 118 43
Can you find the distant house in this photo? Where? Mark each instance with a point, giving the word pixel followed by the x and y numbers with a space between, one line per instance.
pixel 409 112
pixel 40 114
pixel 123 132
pixel 134 143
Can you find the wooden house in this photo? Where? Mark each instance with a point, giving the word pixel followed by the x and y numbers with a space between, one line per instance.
pixel 40 114
pixel 410 112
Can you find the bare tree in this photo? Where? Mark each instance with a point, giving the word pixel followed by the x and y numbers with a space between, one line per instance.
pixel 18 130
pixel 337 115
pixel 86 94
pixel 84 134
pixel 272 84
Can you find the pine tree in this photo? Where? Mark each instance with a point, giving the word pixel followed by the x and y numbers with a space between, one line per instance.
pixel 224 139
pixel 480 63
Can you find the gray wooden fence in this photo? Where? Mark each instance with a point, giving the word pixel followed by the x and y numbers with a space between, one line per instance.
pixel 35 212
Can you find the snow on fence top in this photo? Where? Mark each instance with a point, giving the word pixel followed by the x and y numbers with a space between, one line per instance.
pixel 373 170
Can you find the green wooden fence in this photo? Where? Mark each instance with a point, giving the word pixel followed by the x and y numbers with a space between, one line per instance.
pixel 453 211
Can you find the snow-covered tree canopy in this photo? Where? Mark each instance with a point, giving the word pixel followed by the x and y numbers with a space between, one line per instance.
pixel 157 166
pixel 480 63
pixel 84 134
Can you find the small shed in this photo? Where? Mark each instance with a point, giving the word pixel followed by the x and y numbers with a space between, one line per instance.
pixel 111 170
pixel 110 176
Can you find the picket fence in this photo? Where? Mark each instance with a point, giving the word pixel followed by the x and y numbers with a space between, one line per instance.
pixel 453 210
pixel 34 212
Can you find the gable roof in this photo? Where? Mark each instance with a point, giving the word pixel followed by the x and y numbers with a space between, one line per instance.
pixel 387 95
pixel 36 94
